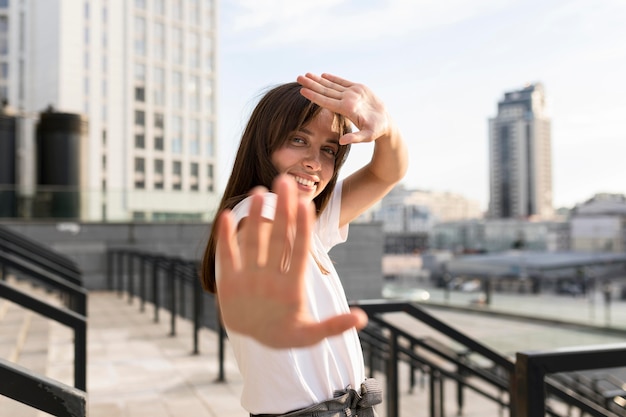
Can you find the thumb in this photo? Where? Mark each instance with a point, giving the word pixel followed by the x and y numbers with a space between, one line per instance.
pixel 357 137
pixel 336 325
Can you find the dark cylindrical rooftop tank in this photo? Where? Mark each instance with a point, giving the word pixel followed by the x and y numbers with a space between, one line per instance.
pixel 59 141
pixel 8 139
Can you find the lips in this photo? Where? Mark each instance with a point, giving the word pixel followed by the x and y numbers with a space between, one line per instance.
pixel 305 182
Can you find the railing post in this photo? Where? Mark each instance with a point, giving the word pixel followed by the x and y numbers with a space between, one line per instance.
pixel 142 282
pixel 120 273
pixel 392 376
pixel 155 287
pixel 80 356
pixel 197 312
pixel 221 377
pixel 109 272
pixel 412 371
pixel 172 287
pixel 131 275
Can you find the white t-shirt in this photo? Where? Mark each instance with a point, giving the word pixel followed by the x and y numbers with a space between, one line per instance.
pixel 281 380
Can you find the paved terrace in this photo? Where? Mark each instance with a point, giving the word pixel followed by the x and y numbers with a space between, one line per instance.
pixel 136 369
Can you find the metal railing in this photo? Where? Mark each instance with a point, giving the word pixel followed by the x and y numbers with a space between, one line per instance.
pixel 51 270
pixel 169 283
pixel 440 361
pixel 534 369
pixel 164 281
pixel 45 394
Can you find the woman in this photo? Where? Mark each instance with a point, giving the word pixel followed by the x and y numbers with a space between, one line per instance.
pixel 294 337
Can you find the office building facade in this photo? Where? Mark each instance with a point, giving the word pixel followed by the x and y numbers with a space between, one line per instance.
pixel 520 156
pixel 143 73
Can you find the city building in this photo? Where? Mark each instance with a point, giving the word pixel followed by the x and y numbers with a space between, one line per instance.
pixel 520 161
pixel 404 210
pixel 408 216
pixel 143 74
pixel 599 224
pixel 497 235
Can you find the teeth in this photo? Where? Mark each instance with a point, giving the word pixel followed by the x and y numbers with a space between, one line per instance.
pixel 305 182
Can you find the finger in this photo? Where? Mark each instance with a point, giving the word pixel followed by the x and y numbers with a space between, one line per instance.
pixel 361 136
pixel 313 333
pixel 301 244
pixel 318 88
pixel 253 249
pixel 284 221
pixel 337 80
pixel 227 250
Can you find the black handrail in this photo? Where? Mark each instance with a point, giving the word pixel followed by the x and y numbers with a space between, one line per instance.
pixel 38 254
pixel 76 321
pixel 76 294
pixel 45 394
pixel 464 367
pixel 531 369
pixel 179 273
pixel 53 271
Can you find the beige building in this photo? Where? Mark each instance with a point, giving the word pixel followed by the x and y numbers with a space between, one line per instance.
pixel 520 156
pixel 144 75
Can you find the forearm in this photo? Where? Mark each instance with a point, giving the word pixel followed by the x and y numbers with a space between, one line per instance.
pixel 390 157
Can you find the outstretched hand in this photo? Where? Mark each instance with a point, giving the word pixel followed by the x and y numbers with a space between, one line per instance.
pixel 261 276
pixel 352 100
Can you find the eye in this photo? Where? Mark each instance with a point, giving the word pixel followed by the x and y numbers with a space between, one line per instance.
pixel 296 140
pixel 330 151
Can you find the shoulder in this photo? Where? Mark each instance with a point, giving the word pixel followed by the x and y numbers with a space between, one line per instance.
pixel 241 210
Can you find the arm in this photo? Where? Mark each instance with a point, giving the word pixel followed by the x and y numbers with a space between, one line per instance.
pixel 367 112
pixel 258 294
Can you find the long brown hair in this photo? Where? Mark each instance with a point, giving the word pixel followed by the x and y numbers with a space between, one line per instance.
pixel 279 113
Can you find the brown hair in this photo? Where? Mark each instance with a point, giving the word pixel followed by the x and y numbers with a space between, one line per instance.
pixel 279 113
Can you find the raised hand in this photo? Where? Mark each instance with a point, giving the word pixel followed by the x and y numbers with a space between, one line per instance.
pixel 261 271
pixel 355 101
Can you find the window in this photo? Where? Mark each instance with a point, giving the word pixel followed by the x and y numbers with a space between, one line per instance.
pixel 177 170
pixel 140 118
pixel 159 143
pixel 140 168
pixel 140 94
pixel 140 36
pixel 209 170
pixel 140 72
pixel 158 120
pixel 159 7
pixel 158 174
pixel 159 86
pixel 159 41
pixel 193 179
pixel 140 141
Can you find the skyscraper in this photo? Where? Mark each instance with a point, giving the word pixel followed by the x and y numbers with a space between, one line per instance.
pixel 520 156
pixel 143 73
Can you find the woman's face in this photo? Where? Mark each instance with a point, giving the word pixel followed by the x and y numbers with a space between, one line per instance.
pixel 309 154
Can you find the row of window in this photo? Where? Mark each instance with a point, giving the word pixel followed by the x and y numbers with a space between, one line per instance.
pixel 177 174
pixel 177 9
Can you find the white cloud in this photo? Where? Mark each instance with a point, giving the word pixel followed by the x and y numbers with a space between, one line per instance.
pixel 277 23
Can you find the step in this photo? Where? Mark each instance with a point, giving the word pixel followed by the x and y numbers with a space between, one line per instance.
pixel 26 339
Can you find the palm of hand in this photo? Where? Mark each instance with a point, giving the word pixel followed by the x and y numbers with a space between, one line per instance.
pixel 260 283
pixel 355 101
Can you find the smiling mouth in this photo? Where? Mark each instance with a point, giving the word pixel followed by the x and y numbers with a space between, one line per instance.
pixel 304 182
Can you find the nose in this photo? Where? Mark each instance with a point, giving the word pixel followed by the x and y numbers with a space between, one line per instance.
pixel 312 160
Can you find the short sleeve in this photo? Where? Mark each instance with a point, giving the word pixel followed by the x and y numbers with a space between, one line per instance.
pixel 241 210
pixel 327 226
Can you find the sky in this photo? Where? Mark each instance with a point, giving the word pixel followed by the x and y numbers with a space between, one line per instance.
pixel 441 67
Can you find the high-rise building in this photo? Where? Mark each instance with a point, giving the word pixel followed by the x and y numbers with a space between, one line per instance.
pixel 520 156
pixel 143 73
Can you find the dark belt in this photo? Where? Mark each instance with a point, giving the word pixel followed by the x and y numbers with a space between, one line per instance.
pixel 346 402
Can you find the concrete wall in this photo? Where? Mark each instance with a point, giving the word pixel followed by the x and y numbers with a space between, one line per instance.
pixel 358 261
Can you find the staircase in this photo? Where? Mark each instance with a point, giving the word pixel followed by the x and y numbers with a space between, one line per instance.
pixel 33 342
